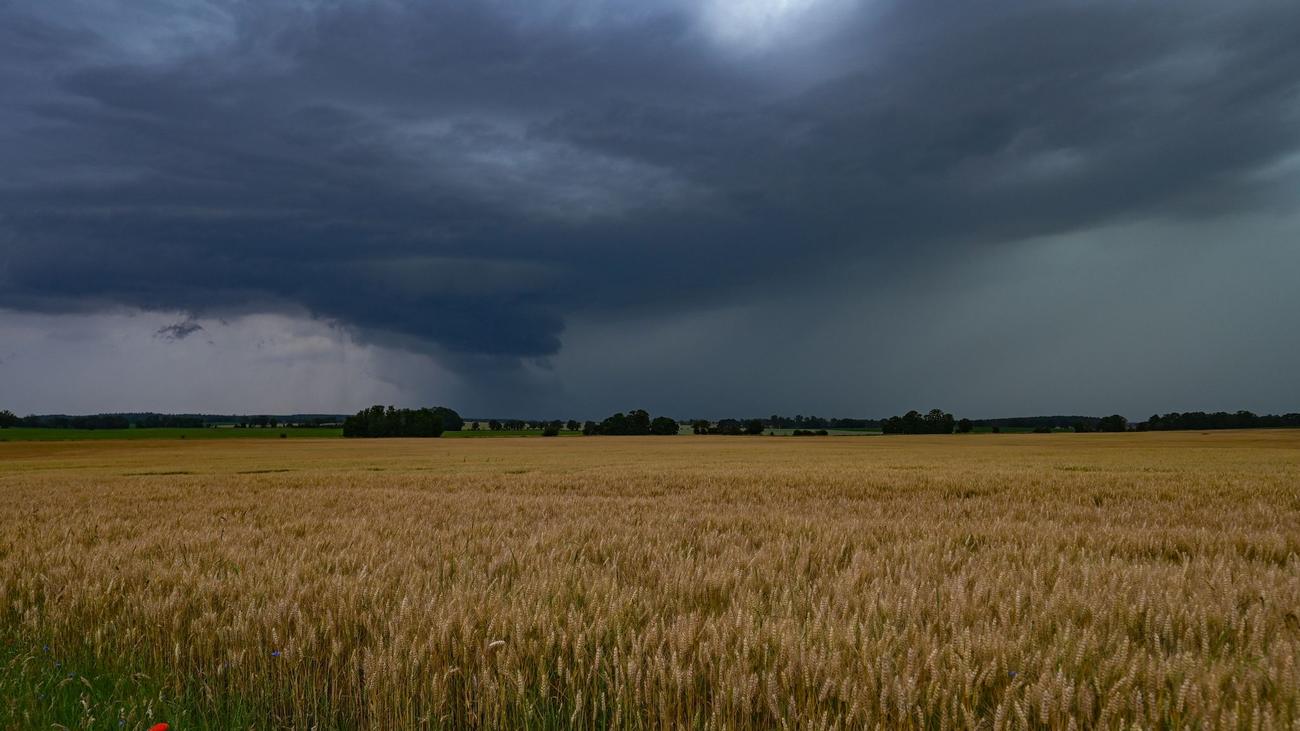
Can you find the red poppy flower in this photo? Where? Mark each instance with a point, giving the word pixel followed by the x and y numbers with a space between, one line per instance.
pixel 160 727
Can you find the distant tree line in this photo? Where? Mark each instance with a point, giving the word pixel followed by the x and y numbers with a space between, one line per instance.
pixel 264 421
pixel 639 421
pixel 800 421
pixel 1218 420
pixel 936 421
pixel 59 421
pixel 259 422
pixel 167 421
pixel 508 425
pixel 1112 423
pixel 378 421
pixel 525 424
pixel 633 423
pixel 1034 422
pixel 729 427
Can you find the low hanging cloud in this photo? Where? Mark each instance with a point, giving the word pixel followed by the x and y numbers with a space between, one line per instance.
pixel 468 181
pixel 178 330
pixel 268 363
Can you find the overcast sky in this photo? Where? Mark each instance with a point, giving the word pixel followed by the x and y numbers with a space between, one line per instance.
pixel 699 207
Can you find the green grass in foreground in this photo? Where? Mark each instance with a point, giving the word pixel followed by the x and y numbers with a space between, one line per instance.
pixel 49 687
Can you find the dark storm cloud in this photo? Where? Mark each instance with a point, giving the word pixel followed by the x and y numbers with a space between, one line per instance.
pixel 466 178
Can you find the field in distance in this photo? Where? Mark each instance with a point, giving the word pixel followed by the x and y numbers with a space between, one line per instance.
pixel 829 432
pixel 28 434
pixel 1008 581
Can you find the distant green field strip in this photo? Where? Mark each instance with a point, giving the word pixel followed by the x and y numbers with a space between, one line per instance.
pixel 471 434
pixel 829 432
pixel 26 434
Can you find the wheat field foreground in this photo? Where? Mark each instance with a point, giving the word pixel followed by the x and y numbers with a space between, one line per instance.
pixel 999 581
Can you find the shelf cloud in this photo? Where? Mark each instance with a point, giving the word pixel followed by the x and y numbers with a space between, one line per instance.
pixel 520 195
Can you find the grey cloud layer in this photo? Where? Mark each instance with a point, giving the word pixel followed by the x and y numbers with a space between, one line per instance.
pixel 468 177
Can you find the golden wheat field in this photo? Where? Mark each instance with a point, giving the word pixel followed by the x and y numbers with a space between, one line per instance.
pixel 985 581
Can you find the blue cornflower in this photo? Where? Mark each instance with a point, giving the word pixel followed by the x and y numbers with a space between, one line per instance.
pixel 275 653
pixel 1012 673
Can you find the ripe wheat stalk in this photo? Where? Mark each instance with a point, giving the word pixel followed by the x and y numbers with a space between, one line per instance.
pixel 1060 581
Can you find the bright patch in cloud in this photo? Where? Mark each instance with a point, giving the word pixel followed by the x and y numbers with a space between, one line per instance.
pixel 758 24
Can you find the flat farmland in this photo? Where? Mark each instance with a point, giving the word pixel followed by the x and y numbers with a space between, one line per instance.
pixel 980 581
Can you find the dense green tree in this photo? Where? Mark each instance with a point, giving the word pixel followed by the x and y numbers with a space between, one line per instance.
pixel 615 425
pixel 939 422
pixel 634 423
pixel 451 420
pixel 424 423
pixel 378 422
pixel 663 425
pixel 728 427
pixel 638 421
pixel 1112 423
pixel 7 419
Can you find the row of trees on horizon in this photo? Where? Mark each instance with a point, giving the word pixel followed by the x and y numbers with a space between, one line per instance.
pixel 389 421
pixel 935 421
